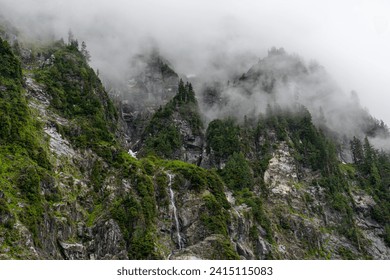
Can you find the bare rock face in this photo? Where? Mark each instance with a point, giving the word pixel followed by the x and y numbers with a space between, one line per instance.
pixel 363 202
pixel 73 251
pixel 193 142
pixel 302 222
pixel 107 242
pixel 281 172
pixel 212 247
pixel 305 217
pixel 371 230
pixel 103 204
pixel 152 85
pixel 67 229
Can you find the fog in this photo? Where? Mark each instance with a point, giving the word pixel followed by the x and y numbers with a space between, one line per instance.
pixel 215 39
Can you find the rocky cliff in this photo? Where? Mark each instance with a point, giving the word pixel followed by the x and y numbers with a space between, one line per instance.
pixel 267 187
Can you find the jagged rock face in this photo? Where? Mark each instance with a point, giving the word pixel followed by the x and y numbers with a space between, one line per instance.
pixel 304 216
pixel 192 141
pixel 239 231
pixel 188 214
pixel 154 82
pixel 66 233
pixel 281 172
pixel 152 85
pixel 204 250
pixel 371 230
pixel 106 241
pixel 98 202
pixel 136 122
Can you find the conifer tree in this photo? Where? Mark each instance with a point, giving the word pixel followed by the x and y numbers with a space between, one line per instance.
pixel 357 152
pixel 85 52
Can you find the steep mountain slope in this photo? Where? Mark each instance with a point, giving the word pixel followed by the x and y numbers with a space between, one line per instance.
pixel 266 186
pixel 175 131
pixel 152 83
pixel 79 195
pixel 285 80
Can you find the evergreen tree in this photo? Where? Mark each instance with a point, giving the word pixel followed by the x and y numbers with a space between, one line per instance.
pixel 85 52
pixel 375 178
pixel 237 174
pixel 222 138
pixel 72 42
pixel 369 157
pixel 357 152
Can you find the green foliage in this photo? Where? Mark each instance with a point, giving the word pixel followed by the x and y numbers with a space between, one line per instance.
pixel 6 218
pixel 23 157
pixel 29 183
pixel 333 183
pixel 10 68
pixel 136 212
pixel 185 94
pixel 161 182
pixel 357 152
pixel 156 62
pixel 222 138
pixel 214 217
pixel 387 235
pixel 337 194
pixel 340 203
pixel 257 207
pixel 20 181
pixel 165 142
pixel 78 95
pixel 16 124
pixel 162 135
pixel 126 212
pixel 315 150
pixel 145 190
pixel 199 179
pixel 223 250
pixel 312 148
pixel 237 173
pixel 136 227
pixel 373 174
pixel 142 246
pixel 97 175
pixel 346 254
pixel 348 170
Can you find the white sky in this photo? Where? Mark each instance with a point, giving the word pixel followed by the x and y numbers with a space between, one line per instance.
pixel 350 38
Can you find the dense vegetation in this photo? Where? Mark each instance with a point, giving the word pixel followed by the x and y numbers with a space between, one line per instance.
pixel 24 164
pixel 162 136
pixel 237 173
pixel 222 138
pixel 114 185
pixel 245 163
pixel 78 95
pixel 373 175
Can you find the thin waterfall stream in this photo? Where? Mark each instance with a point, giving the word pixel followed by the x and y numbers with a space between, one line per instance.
pixel 180 240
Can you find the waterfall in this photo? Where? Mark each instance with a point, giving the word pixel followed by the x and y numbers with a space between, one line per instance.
pixel 177 223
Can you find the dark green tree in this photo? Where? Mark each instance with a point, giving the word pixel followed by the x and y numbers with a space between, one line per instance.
pixel 357 152
pixel 222 138
pixel 369 157
pixel 237 173
pixel 85 52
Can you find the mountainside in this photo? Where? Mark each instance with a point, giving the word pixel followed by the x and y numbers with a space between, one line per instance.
pixel 160 174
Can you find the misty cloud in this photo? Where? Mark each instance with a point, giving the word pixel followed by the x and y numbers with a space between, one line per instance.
pixel 218 40
pixel 286 81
